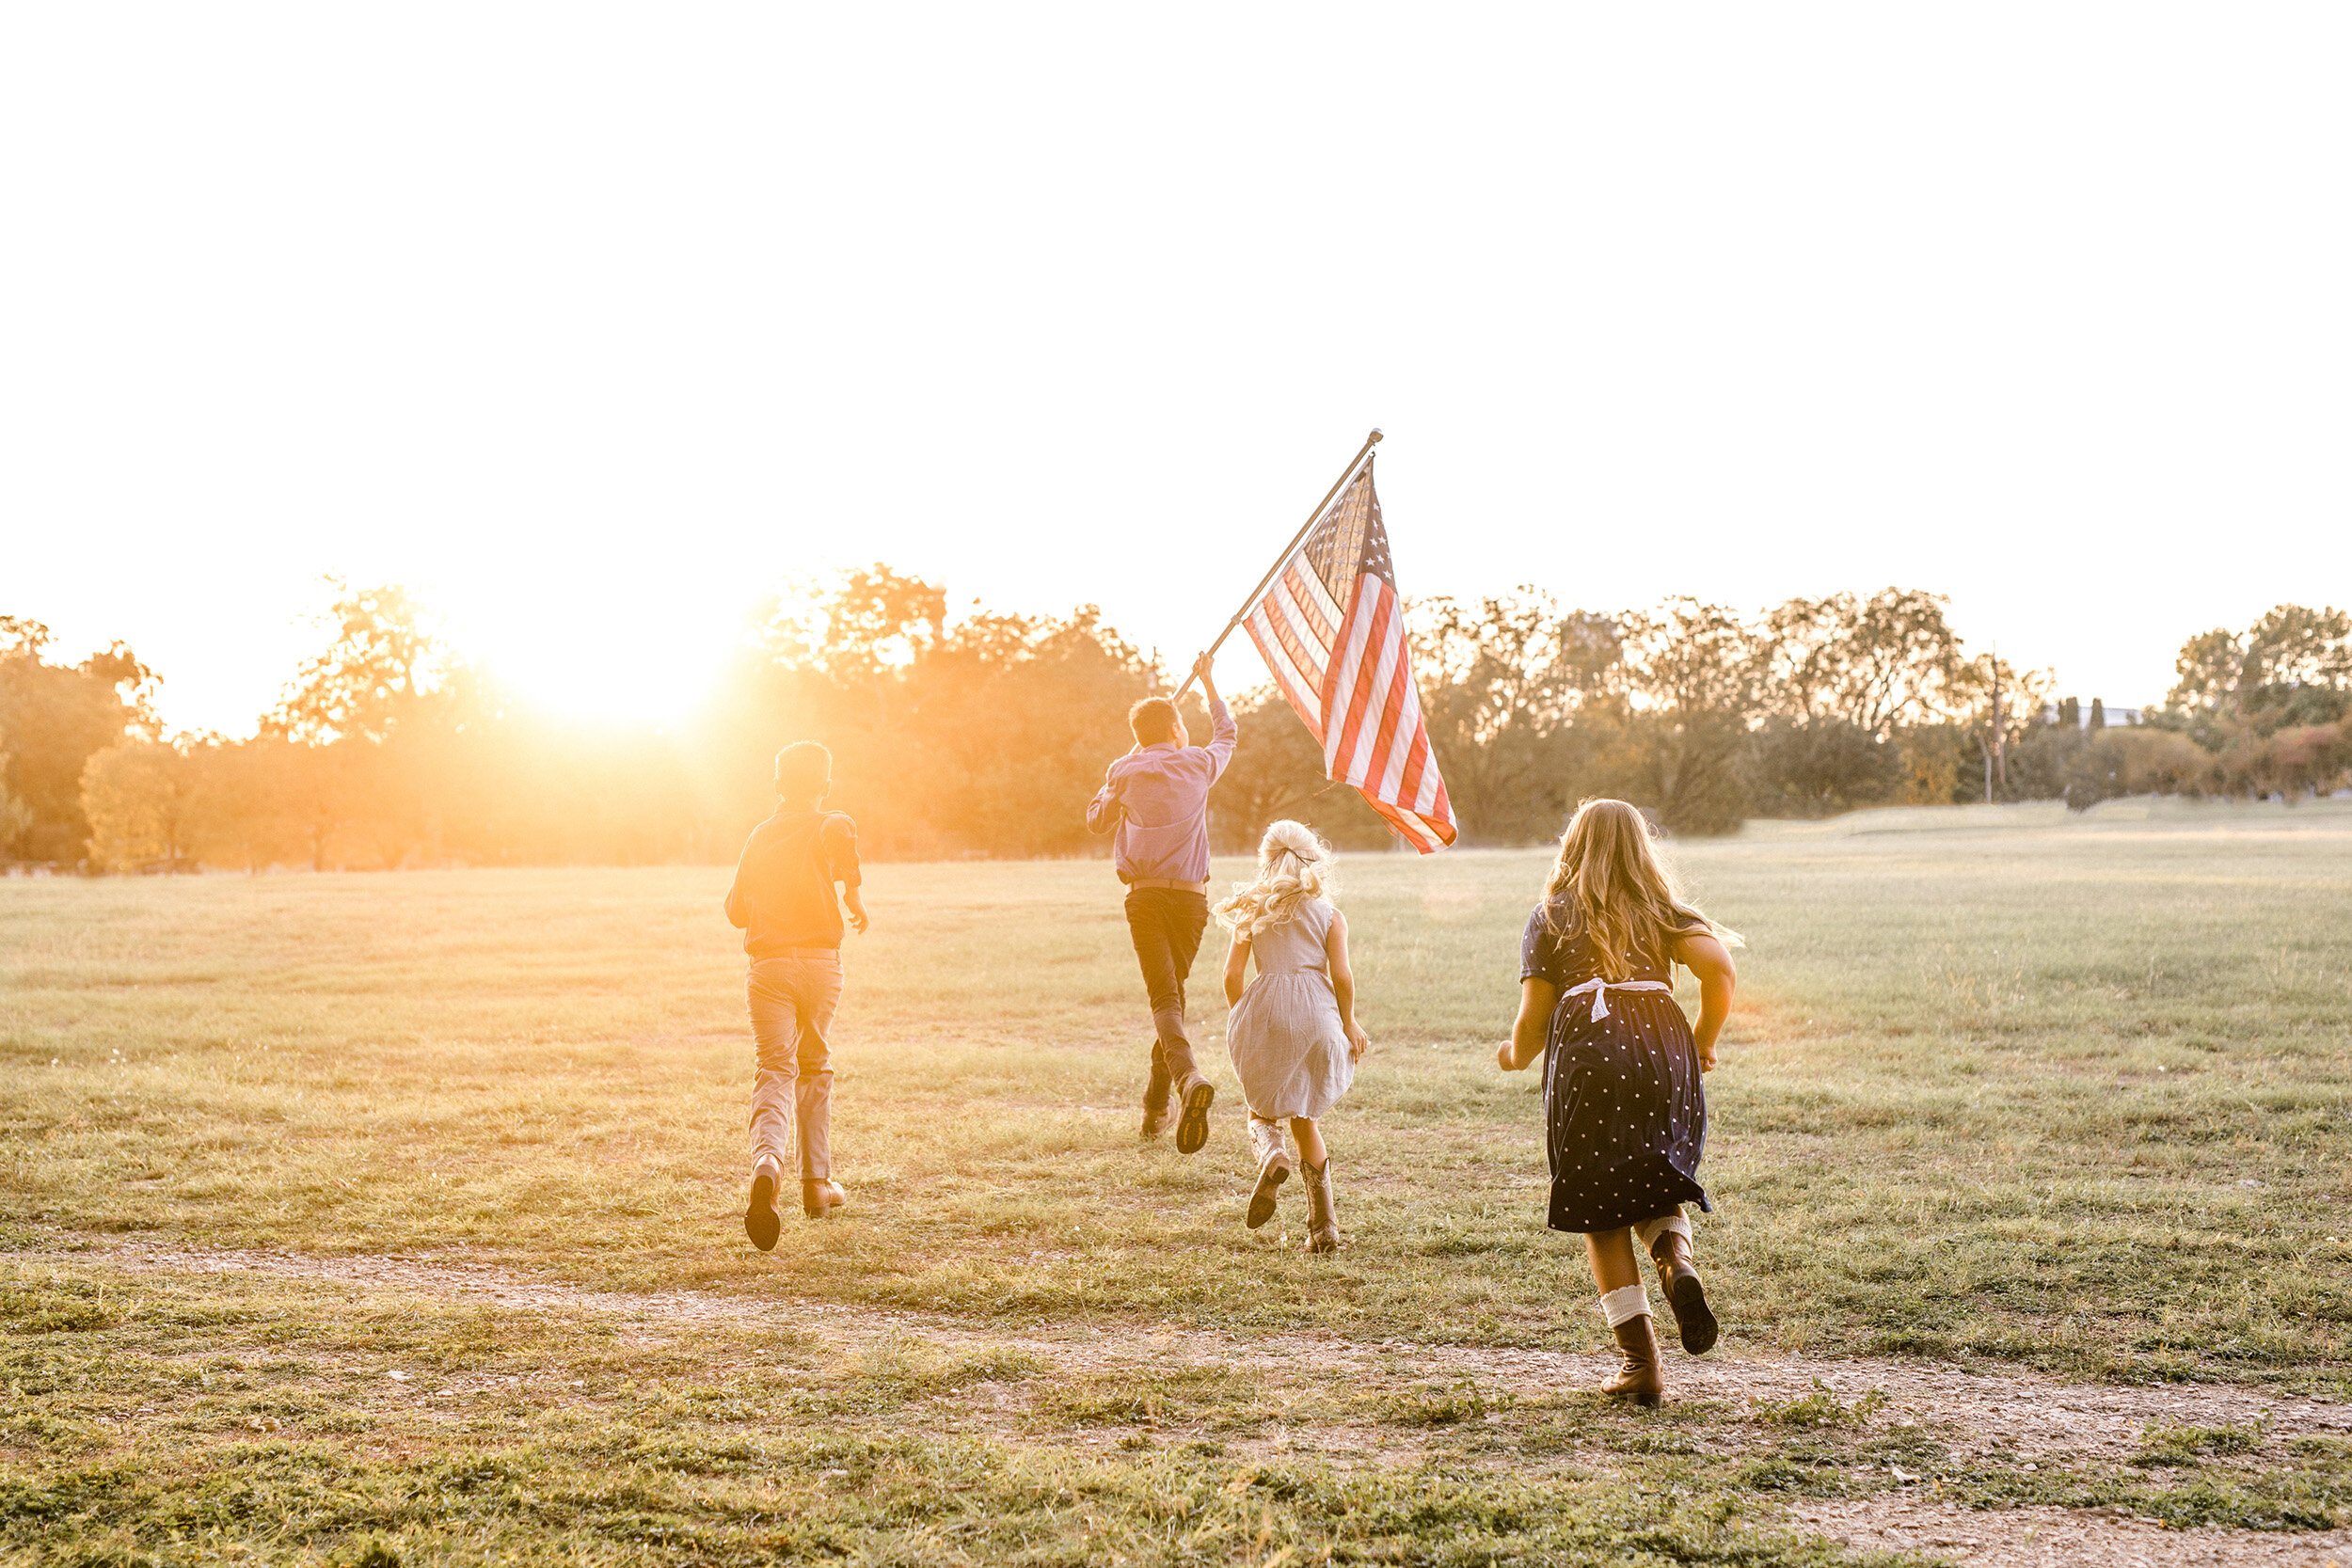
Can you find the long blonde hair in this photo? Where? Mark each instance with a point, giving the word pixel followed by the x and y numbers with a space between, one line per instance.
pixel 1625 897
pixel 1293 866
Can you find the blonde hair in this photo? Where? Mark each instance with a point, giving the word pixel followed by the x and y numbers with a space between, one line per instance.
pixel 1293 866
pixel 1626 897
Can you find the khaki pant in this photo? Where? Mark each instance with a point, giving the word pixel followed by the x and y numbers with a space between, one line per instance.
pixel 792 999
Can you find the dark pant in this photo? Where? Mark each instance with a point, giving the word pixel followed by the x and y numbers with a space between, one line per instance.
pixel 1165 924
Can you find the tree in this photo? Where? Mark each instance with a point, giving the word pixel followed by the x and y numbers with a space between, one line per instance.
pixel 139 797
pixel 1822 768
pixel 378 670
pixel 370 721
pixel 1873 664
pixel 54 718
pixel 1015 716
pixel 1695 677
pixel 2291 669
pixel 1501 681
pixel 241 812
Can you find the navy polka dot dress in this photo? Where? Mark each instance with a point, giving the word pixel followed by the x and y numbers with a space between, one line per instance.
pixel 1623 1111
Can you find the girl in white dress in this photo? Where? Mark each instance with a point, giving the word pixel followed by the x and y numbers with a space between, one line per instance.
pixel 1292 1032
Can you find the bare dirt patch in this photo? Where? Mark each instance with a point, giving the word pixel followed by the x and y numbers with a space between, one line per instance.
pixel 2057 1537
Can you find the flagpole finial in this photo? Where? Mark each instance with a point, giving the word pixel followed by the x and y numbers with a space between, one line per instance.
pixel 1372 439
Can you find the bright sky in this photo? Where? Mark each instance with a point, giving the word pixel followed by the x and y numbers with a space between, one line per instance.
pixel 594 323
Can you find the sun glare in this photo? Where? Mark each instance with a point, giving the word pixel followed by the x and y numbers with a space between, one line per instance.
pixel 643 667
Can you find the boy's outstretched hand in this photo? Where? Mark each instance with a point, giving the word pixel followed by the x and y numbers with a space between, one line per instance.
pixel 1201 667
pixel 855 903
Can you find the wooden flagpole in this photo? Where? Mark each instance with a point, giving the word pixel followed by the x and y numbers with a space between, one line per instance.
pixel 1251 602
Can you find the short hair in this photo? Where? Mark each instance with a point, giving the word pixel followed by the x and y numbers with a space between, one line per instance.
pixel 803 768
pixel 1152 719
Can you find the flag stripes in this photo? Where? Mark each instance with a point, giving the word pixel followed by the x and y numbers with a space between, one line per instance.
pixel 1348 672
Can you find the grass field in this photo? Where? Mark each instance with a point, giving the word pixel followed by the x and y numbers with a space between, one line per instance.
pixel 368 1217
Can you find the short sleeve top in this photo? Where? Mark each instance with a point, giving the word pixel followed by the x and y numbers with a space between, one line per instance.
pixel 1559 949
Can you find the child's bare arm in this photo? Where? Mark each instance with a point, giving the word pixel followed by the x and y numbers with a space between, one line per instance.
pixel 1343 986
pixel 1236 968
pixel 855 901
pixel 1538 998
pixel 1710 961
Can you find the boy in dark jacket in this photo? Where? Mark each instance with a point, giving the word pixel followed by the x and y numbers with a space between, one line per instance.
pixel 783 902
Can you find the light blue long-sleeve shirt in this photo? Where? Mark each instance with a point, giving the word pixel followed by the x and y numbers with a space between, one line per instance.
pixel 1156 797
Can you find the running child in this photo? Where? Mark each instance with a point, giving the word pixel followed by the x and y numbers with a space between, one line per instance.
pixel 1292 1034
pixel 1624 1108
pixel 783 902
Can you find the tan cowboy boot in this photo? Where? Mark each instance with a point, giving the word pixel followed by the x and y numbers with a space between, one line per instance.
pixel 1639 1379
pixel 1670 1252
pixel 1322 1225
pixel 820 1197
pixel 1274 1169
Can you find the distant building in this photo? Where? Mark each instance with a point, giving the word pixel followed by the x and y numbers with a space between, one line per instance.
pixel 2116 717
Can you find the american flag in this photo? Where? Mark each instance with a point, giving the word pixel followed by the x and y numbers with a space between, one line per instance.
pixel 1332 627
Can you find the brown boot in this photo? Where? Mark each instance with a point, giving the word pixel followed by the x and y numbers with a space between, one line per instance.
pixel 1274 1169
pixel 760 1220
pixel 820 1198
pixel 1639 1379
pixel 1670 1252
pixel 1322 1225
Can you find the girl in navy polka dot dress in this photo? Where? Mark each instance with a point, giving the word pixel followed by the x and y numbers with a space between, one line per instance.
pixel 1624 1108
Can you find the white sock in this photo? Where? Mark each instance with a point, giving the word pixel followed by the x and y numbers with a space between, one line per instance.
pixel 1624 1304
pixel 1649 1232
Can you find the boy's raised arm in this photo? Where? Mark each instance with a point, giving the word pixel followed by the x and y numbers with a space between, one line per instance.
pixel 1222 736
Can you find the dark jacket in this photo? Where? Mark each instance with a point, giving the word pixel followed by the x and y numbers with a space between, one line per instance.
pixel 783 895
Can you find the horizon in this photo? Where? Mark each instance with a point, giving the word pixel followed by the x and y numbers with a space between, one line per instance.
pixel 1242 670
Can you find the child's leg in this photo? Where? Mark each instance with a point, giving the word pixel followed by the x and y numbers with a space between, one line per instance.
pixel 1626 1307
pixel 776 1033
pixel 1669 1223
pixel 1310 1139
pixel 813 1058
pixel 1611 1253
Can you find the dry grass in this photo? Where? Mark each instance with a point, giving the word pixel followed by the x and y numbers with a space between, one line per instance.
pixel 2071 1095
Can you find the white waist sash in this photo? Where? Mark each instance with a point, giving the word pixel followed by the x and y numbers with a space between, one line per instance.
pixel 1599 990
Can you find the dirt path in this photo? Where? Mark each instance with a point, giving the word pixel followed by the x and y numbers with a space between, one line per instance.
pixel 2018 1413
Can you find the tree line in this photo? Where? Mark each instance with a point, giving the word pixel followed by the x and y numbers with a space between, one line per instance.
pixel 984 735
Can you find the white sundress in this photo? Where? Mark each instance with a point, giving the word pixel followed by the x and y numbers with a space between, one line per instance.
pixel 1284 1034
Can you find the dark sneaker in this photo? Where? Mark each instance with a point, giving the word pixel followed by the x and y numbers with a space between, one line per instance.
pixel 1159 1107
pixel 761 1222
pixel 1192 1131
